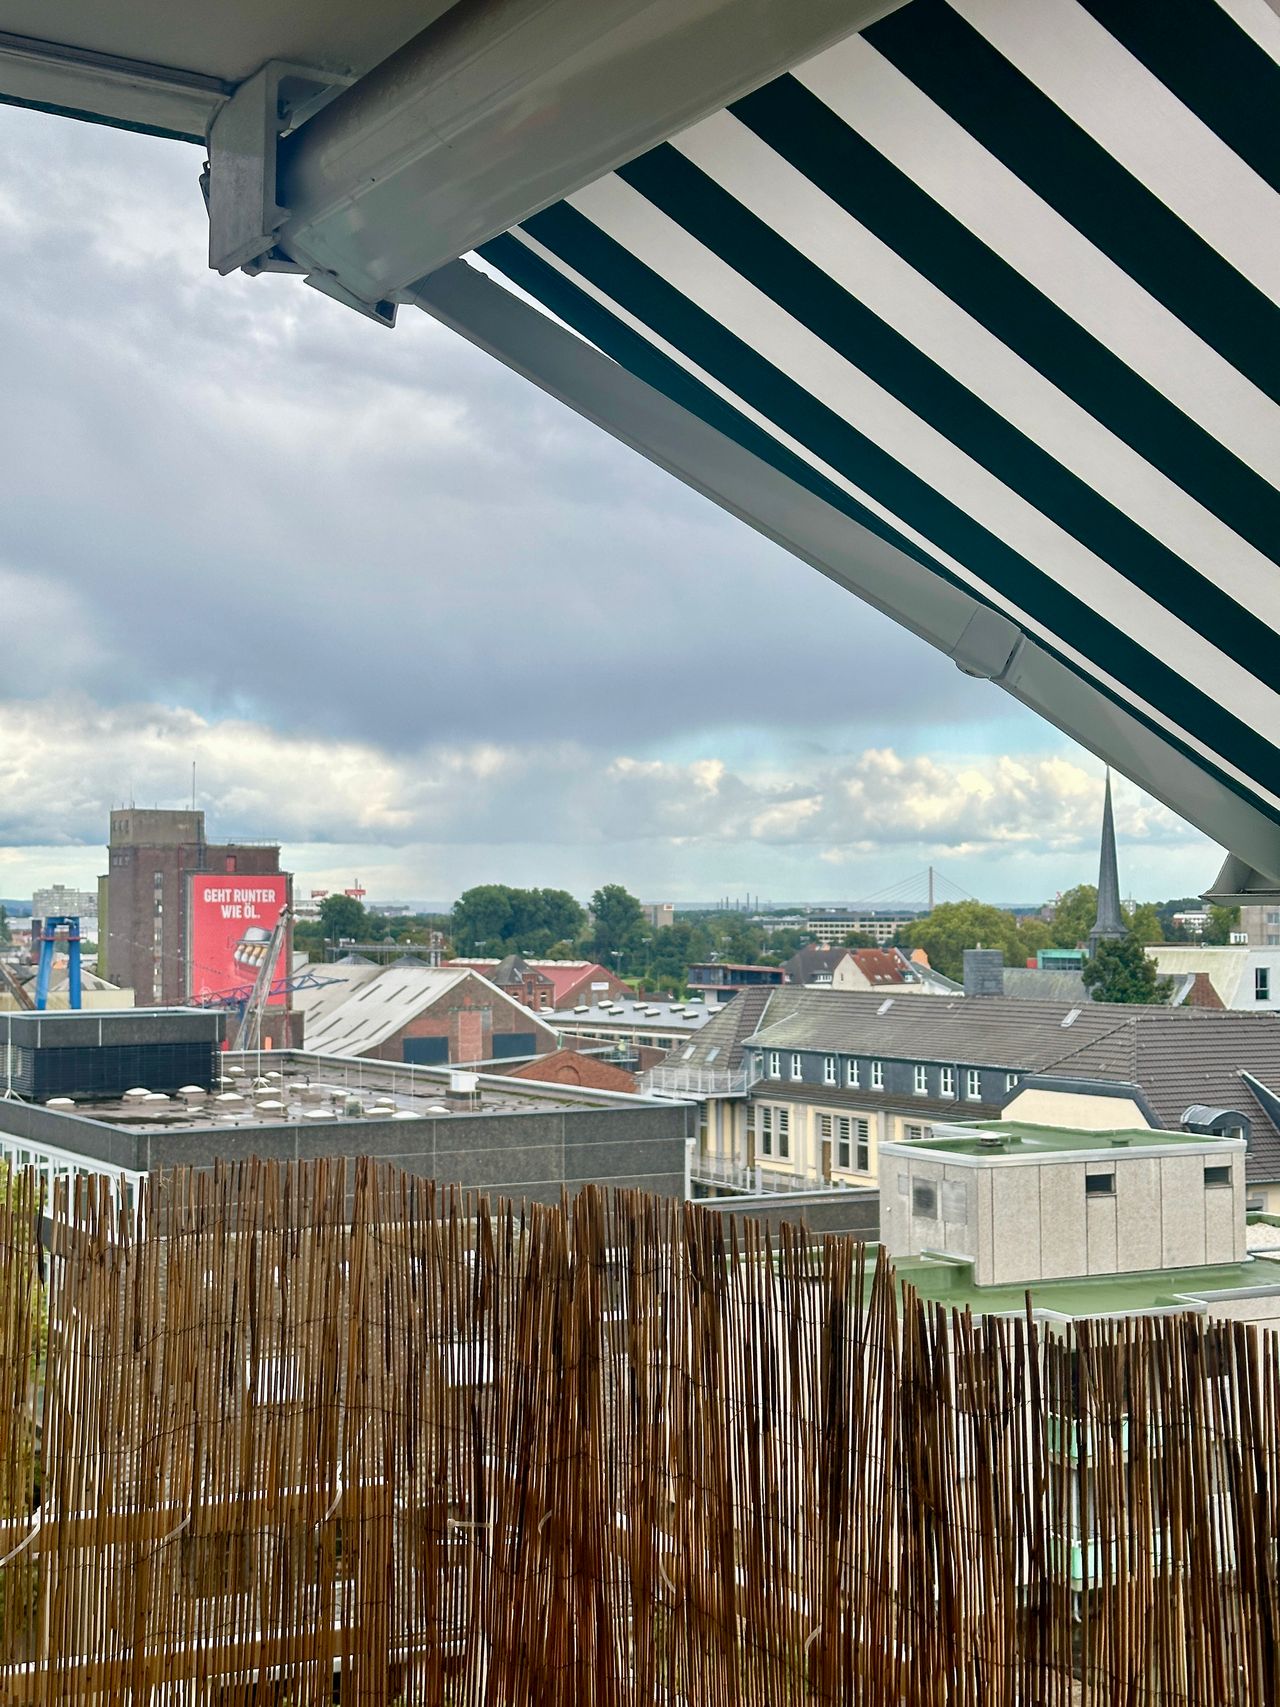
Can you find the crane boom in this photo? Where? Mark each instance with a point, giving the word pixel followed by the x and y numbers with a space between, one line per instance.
pixel 251 1025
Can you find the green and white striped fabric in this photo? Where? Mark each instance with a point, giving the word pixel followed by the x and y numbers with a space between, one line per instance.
pixel 999 280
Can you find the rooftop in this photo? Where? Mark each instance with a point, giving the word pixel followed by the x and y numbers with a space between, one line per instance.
pixel 991 1138
pixel 633 1015
pixel 284 1087
pixel 949 1281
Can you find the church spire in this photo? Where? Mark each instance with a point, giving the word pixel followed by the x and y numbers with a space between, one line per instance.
pixel 1110 924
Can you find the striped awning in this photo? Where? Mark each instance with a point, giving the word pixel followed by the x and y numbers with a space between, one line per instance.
pixel 996 281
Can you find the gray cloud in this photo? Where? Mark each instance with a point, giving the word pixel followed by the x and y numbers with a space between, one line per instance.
pixel 260 505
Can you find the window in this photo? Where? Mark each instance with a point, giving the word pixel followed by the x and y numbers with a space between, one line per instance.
pixel 774 1131
pixel 877 1075
pixel 796 1072
pixel 919 1080
pixel 924 1200
pixel 851 1077
pixel 828 1069
pixel 862 1152
pixel 824 1127
pixel 1099 1185
pixel 1217 1176
pixel 948 1081
pixel 775 1064
pixel 1262 983
pixel 843 1128
pixel 914 1133
pixel 972 1084
pixel 1010 1080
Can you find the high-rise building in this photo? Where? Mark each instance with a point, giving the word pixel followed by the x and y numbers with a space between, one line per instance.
pixel 155 921
pixel 57 901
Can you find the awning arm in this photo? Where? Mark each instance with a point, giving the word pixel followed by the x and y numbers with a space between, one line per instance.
pixel 497 109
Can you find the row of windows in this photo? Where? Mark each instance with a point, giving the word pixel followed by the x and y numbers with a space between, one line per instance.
pixel 955 1193
pixel 853 1075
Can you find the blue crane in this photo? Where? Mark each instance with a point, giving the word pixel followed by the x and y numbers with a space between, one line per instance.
pixel 49 929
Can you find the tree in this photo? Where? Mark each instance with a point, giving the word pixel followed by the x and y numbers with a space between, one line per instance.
pixel 1146 923
pixel 1122 971
pixel 1222 921
pixel 1034 935
pixel 1074 916
pixel 342 916
pixel 6 935
pixel 500 920
pixel 857 939
pixel 619 922
pixel 481 919
pixel 949 929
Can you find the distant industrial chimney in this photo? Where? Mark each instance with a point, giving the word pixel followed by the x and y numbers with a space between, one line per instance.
pixel 984 972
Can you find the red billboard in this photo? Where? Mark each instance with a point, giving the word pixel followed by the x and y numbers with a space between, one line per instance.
pixel 229 924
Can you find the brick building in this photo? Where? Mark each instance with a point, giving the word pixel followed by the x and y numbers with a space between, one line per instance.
pixel 427 1015
pixel 145 896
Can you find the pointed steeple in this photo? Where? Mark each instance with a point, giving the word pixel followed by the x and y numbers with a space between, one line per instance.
pixel 1109 926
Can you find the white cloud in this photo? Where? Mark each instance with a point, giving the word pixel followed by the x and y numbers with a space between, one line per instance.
pixel 64 762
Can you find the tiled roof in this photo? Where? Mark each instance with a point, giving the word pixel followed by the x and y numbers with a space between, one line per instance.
pixel 881 965
pixel 1197 1059
pixel 993 1031
pixel 725 1032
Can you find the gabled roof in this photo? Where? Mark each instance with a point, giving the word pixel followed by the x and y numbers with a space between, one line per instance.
pixel 806 963
pixel 383 1004
pixel 881 965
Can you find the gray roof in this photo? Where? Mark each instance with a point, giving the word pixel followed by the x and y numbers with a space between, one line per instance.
pixel 1176 1056
pixel 1030 984
pixel 632 1016
pixel 989 1031
pixel 805 964
pixel 725 1033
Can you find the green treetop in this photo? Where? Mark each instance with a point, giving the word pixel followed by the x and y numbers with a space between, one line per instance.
pixel 1121 971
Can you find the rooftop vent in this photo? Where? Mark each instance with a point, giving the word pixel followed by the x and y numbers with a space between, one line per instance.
pixel 991 1140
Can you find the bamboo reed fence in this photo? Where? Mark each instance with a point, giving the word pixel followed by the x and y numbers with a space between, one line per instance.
pixel 306 1433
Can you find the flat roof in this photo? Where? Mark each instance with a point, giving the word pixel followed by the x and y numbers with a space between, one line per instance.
pixel 293 1087
pixel 948 1281
pixel 1020 1138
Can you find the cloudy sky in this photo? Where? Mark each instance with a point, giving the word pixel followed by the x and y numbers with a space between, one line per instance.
pixel 427 627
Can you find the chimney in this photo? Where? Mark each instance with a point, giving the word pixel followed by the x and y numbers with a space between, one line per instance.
pixel 984 972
